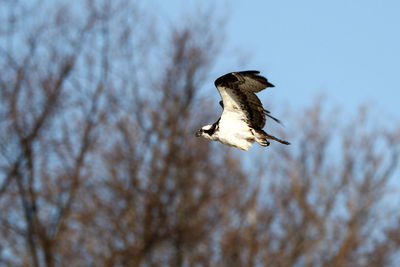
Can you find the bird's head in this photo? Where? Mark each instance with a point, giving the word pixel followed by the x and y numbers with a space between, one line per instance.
pixel 204 132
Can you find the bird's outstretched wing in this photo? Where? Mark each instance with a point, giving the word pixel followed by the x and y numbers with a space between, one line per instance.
pixel 237 90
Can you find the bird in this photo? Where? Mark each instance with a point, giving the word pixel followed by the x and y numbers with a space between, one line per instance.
pixel 243 117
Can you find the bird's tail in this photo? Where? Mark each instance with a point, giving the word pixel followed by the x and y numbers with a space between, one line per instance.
pixel 261 138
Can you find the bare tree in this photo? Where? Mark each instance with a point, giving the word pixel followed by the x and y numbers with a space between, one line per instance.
pixel 325 202
pixel 54 104
pixel 99 165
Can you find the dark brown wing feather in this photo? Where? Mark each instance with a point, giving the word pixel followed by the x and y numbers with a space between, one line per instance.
pixel 245 80
pixel 243 85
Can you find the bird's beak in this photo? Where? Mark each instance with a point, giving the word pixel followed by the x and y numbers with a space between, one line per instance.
pixel 198 133
pixel 270 85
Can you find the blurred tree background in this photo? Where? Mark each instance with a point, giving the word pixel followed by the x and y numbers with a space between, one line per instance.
pixel 99 165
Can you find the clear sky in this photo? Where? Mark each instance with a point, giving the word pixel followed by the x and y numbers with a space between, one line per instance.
pixel 348 50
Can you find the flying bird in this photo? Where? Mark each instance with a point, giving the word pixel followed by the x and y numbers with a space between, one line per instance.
pixel 243 117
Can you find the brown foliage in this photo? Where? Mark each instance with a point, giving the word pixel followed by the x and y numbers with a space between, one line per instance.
pixel 99 165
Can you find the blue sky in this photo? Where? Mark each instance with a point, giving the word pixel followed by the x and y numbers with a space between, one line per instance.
pixel 348 51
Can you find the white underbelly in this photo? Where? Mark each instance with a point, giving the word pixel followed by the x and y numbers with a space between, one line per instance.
pixel 235 133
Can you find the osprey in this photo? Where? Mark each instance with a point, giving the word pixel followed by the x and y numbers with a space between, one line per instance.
pixel 243 116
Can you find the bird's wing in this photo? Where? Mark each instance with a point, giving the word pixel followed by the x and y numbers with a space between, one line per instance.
pixel 237 92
